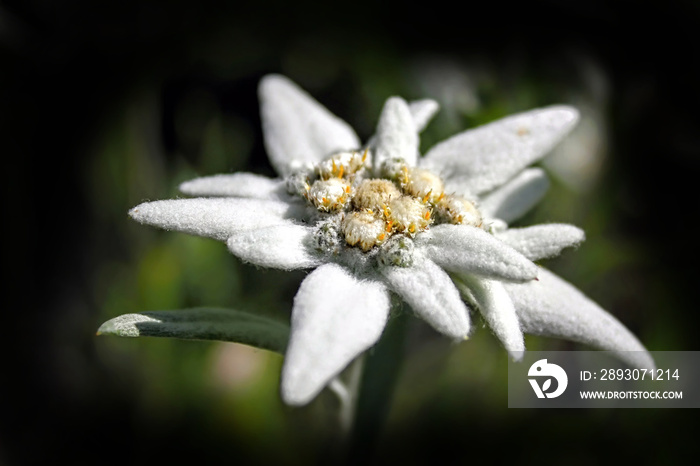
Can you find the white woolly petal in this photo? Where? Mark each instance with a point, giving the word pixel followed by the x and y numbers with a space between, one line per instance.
pixel 488 156
pixel 458 188
pixel 284 247
pixel 552 307
pixel 492 300
pixel 422 112
pixel 542 241
pixel 214 218
pixel 297 128
pixel 247 185
pixel 432 295
pixel 512 200
pixel 335 318
pixel 470 250
pixel 396 134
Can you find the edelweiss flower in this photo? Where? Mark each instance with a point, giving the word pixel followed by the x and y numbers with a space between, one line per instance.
pixel 378 219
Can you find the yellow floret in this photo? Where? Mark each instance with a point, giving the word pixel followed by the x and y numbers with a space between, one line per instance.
pixel 459 211
pixel 407 214
pixel 342 164
pixel 329 195
pixel 375 194
pixel 363 229
pixel 424 184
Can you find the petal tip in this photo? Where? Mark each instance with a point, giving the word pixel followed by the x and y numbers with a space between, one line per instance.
pixel 459 329
pixel 567 114
pixel 458 335
pixel 578 235
pixel 296 393
pixel 517 355
pixel 531 272
pixel 396 100
pixel 641 359
pixel 271 81
pixel 187 187
pixel 138 213
pixel 431 106
pixel 293 399
pixel 145 212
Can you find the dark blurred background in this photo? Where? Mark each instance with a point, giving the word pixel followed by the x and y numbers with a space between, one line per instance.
pixel 107 104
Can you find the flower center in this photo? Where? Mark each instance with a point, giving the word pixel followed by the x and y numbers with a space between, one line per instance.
pixel 367 208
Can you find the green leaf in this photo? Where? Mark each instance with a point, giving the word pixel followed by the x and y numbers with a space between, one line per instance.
pixel 202 324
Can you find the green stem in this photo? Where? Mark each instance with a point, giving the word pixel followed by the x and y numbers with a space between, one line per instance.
pixel 381 369
pixel 347 393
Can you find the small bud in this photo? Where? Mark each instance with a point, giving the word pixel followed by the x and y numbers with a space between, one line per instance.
pixel 327 237
pixel 393 169
pixel 397 251
pixel 298 182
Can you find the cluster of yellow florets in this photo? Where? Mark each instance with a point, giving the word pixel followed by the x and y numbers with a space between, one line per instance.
pixel 401 200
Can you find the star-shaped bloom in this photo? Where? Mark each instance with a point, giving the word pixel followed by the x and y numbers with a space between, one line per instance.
pixel 378 219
